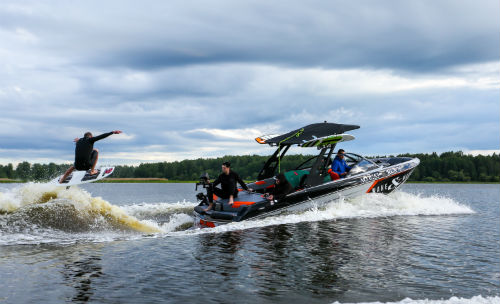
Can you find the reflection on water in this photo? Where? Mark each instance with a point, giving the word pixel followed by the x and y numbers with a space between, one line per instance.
pixel 80 274
pixel 307 257
pixel 272 260
pixel 218 253
pixel 384 249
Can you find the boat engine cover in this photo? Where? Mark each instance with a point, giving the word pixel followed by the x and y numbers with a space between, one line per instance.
pixel 199 209
pixel 221 215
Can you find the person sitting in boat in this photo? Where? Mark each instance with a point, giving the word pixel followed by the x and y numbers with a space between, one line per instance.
pixel 85 155
pixel 228 180
pixel 339 165
pixel 281 188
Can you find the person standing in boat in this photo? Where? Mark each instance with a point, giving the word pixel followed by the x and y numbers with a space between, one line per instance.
pixel 339 165
pixel 228 180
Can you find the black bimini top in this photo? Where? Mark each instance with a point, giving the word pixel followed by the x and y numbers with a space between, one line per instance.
pixel 310 132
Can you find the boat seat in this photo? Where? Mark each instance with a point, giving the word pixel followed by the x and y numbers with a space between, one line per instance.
pixel 333 174
pixel 294 177
pixel 302 181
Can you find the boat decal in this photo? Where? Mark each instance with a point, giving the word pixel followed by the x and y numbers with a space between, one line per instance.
pixel 390 183
pixel 238 204
pixel 393 170
pixel 204 223
pixel 108 171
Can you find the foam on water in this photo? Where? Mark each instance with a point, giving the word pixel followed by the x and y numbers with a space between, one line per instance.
pixel 45 213
pixel 154 209
pixel 176 222
pixel 366 206
pixel 48 206
pixel 167 217
pixel 453 300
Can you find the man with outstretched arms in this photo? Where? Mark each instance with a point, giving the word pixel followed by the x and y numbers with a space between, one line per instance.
pixel 85 155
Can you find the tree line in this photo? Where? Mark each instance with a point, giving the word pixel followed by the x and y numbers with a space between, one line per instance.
pixel 456 167
pixel 445 167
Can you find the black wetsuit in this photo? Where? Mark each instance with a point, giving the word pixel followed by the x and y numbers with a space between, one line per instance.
pixel 281 190
pixel 228 184
pixel 85 156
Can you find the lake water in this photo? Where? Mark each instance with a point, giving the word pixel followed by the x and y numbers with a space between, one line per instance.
pixel 131 243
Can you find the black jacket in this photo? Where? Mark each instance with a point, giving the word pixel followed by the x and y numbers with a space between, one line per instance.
pixel 228 183
pixel 84 147
pixel 281 190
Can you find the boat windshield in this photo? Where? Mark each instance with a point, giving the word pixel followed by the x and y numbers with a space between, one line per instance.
pixel 307 164
pixel 359 164
pixel 352 159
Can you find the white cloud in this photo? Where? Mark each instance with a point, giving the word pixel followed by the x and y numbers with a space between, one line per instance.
pixel 351 82
pixel 122 137
pixel 239 134
pixel 482 152
pixel 26 36
pixel 208 82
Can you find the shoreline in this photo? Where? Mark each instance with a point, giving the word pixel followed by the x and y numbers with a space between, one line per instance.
pixel 142 180
pixel 168 181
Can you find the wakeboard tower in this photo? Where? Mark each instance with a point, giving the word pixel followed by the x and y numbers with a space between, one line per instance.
pixel 311 181
pixel 83 177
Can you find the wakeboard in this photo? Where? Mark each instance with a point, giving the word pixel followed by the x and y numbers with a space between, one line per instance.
pixel 83 177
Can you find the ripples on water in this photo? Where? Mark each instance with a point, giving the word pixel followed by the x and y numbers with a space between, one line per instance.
pixel 133 245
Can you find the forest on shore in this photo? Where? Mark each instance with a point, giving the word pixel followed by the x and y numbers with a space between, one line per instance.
pixel 444 167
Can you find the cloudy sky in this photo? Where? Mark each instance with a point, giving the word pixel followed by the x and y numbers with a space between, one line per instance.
pixel 189 79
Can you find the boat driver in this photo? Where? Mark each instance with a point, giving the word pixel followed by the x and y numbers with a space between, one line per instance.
pixel 228 180
pixel 339 165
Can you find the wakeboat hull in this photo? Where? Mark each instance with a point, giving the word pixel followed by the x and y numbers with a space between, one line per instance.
pixel 388 176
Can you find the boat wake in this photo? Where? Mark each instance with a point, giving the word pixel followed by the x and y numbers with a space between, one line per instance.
pixel 41 213
pixel 366 206
pixel 453 300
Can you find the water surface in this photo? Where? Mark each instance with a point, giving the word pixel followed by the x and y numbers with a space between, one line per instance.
pixel 425 242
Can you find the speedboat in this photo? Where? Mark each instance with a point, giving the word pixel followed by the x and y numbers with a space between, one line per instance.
pixel 311 181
